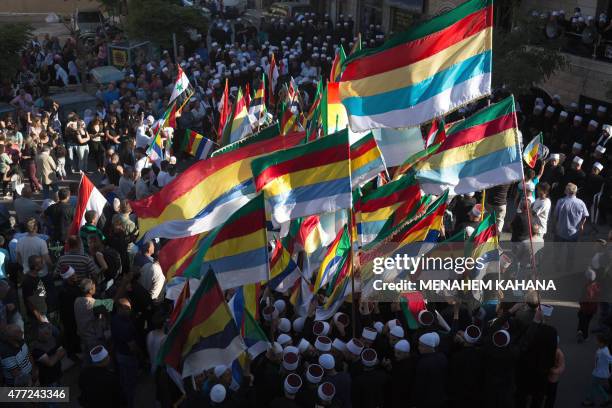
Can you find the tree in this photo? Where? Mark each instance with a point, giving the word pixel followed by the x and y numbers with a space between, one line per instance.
pixel 156 20
pixel 524 57
pixel 15 37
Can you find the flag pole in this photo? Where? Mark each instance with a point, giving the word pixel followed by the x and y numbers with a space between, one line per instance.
pixel 482 205
pixel 352 260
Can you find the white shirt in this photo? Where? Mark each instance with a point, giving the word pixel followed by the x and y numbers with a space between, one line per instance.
pixel 141 164
pixel 142 139
pixel 541 210
pixel 164 178
pixel 152 279
pixel 603 359
pixel 32 245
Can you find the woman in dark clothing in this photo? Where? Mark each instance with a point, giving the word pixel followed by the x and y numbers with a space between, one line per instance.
pixel 28 155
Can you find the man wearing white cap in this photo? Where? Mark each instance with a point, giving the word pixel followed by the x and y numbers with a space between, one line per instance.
pixel 291 386
pixel 574 173
pixel 402 371
pixel 369 384
pixel 593 184
pixel 98 384
pixel 429 385
pixel 553 174
pixel 307 396
pixel 605 136
pixel 466 368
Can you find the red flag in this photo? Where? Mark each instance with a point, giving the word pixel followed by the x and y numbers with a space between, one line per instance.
pixel 178 305
pixel 436 134
pixel 225 110
pixel 272 79
pixel 89 198
pixel 247 94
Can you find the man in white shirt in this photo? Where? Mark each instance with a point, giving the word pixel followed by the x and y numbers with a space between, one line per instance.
pixel 30 245
pixel 541 209
pixel 152 277
pixel 143 137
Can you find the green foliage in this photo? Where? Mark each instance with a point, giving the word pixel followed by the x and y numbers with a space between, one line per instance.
pixel 523 57
pixel 156 20
pixel 15 37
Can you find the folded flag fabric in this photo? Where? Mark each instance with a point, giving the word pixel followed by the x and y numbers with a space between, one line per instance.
pixel 207 193
pixel 397 145
pixel 273 75
pixel 306 233
pixel 366 160
pixel 479 152
pixel 266 133
pixel 182 90
pixel 309 179
pixel 336 70
pixel 535 150
pixel 179 304
pixel 225 111
pixel 155 151
pixel 89 198
pixel 423 73
pixel 257 106
pixel 244 308
pixel 333 115
pixel 204 335
pixel 237 250
pixel 301 297
pixel 176 255
pixel 373 210
pixel 283 270
pixel 335 259
pixel 436 134
pixel 198 146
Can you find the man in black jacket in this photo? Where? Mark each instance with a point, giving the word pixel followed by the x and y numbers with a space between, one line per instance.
pixel 429 385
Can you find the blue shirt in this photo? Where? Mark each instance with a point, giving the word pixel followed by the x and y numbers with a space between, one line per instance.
pixel 570 211
pixel 4 256
pixel 110 96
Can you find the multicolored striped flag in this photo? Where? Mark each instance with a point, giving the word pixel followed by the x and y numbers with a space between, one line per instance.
pixel 483 244
pixel 238 126
pixel 155 151
pixel 237 250
pixel 204 335
pixel 177 254
pixel 207 193
pixel 272 80
pixel 366 160
pixel 301 296
pixel 333 114
pixel 436 134
pixel 398 144
pixel 225 111
pixel 335 259
pixel 179 304
pixel 423 73
pixel 375 209
pixel 479 152
pixel 197 145
pixel 312 121
pixel 309 179
pixel 535 150
pixel 266 133
pixel 283 270
pixel 336 70
pixel 257 107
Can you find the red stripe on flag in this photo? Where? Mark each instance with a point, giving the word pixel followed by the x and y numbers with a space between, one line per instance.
pixel 478 132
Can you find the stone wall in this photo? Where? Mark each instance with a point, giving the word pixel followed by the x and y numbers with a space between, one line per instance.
pixel 584 76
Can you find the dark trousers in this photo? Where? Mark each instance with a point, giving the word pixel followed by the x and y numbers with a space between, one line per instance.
pixel 551 395
pixel 584 319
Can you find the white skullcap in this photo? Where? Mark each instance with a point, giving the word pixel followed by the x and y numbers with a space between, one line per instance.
pixel 323 343
pixel 341 318
pixel 555 156
pixel 501 338
pixel 369 357
pixel 392 323
pixel 68 273
pixel 291 361
pixel 577 146
pixel 573 105
pixel 369 333
pixel 275 348
pixel 314 374
pixel 298 324
pixel 327 361
pixel 402 346
pixel 284 325
pixel 326 391
pixel 588 106
pixel 355 346
pixel 280 305
pixel 320 328
pixel 339 345
pixel 578 160
pixel 150 119
pixel 303 345
pixel 563 114
pixel 472 334
pixel 602 109
pixel 397 331
pixel 425 317
pixel 283 339
pixel 430 339
pixel 598 166
pixel 593 123
pixel 600 149
pixel 293 382
pixel 556 97
pixel 547 310
pixel 98 354
pixel 220 370
pixel 379 326
pixel 607 129
pixel 217 393
pixel 550 109
pixel 577 118
pixel 539 101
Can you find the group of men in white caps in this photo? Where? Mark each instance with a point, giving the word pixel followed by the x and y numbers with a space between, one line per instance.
pixel 449 356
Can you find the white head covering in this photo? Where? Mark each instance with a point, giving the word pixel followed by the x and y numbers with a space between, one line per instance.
pixel 68 273
pixel 578 160
pixel 327 361
pixel 593 123
pixel 217 393
pixel 339 345
pixel 293 382
pixel 402 346
pixel 397 331
pixel 425 317
pixel 280 305
pixel 547 310
pixel 314 374
pixel 472 334
pixel 598 166
pixel 563 114
pixel 320 328
pixel 600 149
pixel 501 338
pixel 607 129
pixel 284 339
pixel 577 146
pixel 369 333
pixel 323 343
pixel 284 325
pixel 369 357
pixel 430 339
pixel 98 354
pixel 298 324
pixel 379 326
pixel 555 156
pixel 291 361
pixel 326 391
pixel 303 345
pixel 355 346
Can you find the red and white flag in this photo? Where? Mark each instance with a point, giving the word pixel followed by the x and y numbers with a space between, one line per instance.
pixel 272 80
pixel 90 198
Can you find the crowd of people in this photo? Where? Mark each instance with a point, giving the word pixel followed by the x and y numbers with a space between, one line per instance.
pixel 99 299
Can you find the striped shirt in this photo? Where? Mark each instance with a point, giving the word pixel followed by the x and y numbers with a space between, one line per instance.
pixel 11 358
pixel 84 266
